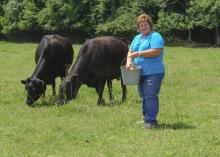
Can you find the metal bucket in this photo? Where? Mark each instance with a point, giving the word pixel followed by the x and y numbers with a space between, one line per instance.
pixel 130 76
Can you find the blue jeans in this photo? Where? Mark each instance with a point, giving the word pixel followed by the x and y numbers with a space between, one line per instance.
pixel 149 88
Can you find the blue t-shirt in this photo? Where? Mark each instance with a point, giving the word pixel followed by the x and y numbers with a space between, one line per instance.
pixel 149 65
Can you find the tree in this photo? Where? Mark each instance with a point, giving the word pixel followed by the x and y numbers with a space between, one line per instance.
pixel 88 18
pixel 206 13
pixel 57 15
pixel 123 23
pixel 123 20
pixel 91 14
pixel 12 13
pixel 28 17
pixel 174 15
pixel 1 13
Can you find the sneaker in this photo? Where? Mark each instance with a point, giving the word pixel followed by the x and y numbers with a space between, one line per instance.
pixel 151 125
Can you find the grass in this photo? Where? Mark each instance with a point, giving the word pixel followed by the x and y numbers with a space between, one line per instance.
pixel 189 112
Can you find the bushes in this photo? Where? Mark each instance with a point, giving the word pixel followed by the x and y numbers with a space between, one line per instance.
pixel 86 18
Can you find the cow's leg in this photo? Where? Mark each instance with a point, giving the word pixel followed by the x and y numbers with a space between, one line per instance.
pixel 109 84
pixel 124 90
pixel 61 78
pixel 44 92
pixel 61 95
pixel 99 90
pixel 54 88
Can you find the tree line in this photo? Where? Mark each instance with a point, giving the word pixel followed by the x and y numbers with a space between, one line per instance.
pixel 192 20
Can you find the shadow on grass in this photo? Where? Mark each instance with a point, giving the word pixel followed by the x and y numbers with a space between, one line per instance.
pixel 46 102
pixel 175 126
pixel 52 101
pixel 113 103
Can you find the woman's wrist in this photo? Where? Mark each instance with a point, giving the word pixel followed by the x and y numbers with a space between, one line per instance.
pixel 139 53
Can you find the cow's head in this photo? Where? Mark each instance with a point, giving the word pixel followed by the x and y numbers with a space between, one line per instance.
pixel 69 88
pixel 35 88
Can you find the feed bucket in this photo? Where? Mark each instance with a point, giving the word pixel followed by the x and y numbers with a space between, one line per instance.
pixel 130 76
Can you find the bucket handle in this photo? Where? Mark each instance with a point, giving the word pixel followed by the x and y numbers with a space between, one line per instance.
pixel 123 60
pixel 126 59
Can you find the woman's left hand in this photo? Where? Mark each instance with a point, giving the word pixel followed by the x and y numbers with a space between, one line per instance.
pixel 134 55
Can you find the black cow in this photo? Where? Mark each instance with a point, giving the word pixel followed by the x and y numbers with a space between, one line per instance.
pixel 53 57
pixel 99 60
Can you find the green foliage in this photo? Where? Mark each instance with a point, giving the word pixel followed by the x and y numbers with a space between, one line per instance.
pixel 28 19
pixel 123 24
pixel 205 13
pixel 174 15
pixel 112 17
pixel 187 15
pixel 151 7
pixel 169 21
pixel 12 14
pixel 92 14
pixel 56 15
pixel 123 21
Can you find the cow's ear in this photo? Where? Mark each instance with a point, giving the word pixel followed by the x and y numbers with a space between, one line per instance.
pixel 23 81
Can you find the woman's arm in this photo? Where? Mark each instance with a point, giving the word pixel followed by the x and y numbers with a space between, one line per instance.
pixel 146 53
pixel 129 59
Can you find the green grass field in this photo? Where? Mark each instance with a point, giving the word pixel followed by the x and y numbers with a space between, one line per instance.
pixel 189 114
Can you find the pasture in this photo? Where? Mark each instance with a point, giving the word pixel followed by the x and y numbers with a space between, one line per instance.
pixel 189 114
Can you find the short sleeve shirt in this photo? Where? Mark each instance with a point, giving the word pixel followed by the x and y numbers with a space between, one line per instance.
pixel 149 65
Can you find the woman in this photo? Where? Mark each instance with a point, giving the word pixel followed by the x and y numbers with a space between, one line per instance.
pixel 146 50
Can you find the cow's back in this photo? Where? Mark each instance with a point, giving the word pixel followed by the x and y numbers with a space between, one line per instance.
pixel 100 58
pixel 55 48
pixel 53 56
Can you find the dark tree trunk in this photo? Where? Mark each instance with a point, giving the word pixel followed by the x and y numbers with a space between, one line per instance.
pixel 189 35
pixel 217 31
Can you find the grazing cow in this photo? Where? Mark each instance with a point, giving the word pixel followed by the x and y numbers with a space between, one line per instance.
pixel 99 60
pixel 53 57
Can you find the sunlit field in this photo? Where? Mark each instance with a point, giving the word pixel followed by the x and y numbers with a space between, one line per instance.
pixel 189 117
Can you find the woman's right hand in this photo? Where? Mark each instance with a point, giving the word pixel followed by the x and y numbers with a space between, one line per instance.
pixel 129 60
pixel 129 63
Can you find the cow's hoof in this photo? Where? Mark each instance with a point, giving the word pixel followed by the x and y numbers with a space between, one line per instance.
pixel 31 105
pixel 60 102
pixel 123 99
pixel 101 102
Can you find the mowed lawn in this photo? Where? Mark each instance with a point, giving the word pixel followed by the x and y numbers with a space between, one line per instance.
pixel 189 114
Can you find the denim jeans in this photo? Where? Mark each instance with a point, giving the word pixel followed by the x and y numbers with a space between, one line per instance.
pixel 149 88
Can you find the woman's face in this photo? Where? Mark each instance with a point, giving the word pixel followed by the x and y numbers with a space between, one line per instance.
pixel 144 28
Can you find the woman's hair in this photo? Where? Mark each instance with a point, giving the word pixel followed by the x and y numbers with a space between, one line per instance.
pixel 144 17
